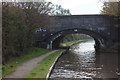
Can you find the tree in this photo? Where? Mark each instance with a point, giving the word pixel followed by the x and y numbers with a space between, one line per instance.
pixel 14 32
pixel 111 8
pixel 58 10
pixel 20 21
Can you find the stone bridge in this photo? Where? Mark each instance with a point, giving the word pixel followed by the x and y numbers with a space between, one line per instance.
pixel 103 28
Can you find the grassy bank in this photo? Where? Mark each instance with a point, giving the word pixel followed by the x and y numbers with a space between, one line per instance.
pixel 44 66
pixel 0 71
pixel 12 64
pixel 65 44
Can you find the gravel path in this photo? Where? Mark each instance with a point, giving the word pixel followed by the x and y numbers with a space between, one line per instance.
pixel 27 67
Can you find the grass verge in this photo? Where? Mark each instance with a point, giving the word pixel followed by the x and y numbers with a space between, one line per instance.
pixel 12 64
pixel 43 68
pixel 0 71
pixel 65 44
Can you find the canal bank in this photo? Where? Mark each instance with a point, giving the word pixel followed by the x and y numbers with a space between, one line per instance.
pixel 39 62
pixel 53 65
pixel 26 67
pixel 11 65
pixel 44 66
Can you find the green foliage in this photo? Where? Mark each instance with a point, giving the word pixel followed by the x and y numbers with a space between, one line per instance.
pixel 14 32
pixel 19 21
pixel 44 66
pixel 0 71
pixel 111 8
pixel 60 11
pixel 11 65
pixel 66 44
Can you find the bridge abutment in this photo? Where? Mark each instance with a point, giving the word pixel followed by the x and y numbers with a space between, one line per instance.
pixel 49 45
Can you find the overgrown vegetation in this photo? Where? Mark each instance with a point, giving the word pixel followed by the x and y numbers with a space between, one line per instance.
pixel 0 71
pixel 11 65
pixel 19 23
pixel 44 66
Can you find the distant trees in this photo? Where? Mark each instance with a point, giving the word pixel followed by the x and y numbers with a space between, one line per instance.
pixel 58 10
pixel 111 8
pixel 19 21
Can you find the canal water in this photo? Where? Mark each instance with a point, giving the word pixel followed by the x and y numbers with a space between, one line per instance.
pixel 82 62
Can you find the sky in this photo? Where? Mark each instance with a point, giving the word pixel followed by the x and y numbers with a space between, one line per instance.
pixel 79 7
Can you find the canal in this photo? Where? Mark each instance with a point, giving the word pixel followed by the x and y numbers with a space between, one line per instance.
pixel 82 62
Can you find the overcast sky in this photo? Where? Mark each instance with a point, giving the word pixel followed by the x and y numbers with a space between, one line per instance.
pixel 77 7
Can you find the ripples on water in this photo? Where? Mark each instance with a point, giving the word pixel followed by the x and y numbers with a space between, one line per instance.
pixel 81 61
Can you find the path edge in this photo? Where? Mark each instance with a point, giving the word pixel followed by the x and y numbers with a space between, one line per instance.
pixel 53 65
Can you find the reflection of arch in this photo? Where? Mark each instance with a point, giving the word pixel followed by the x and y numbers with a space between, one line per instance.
pixel 55 38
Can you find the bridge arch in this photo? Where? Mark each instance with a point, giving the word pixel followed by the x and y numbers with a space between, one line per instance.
pixel 103 28
pixel 55 38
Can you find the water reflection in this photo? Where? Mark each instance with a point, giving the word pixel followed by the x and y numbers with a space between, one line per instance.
pixel 81 61
pixel 83 47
